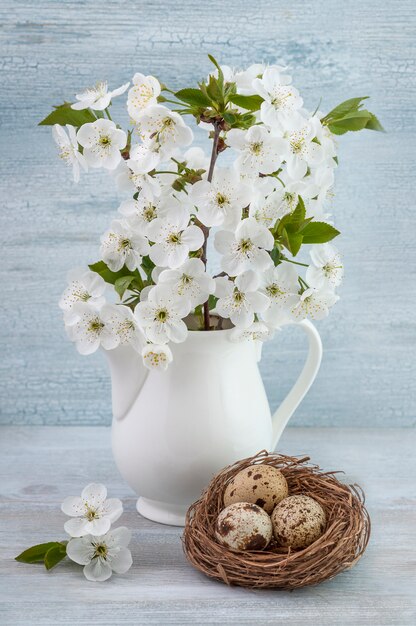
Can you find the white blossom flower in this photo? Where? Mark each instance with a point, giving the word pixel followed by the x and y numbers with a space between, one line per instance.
pixel 124 325
pixel 102 142
pixel 302 151
pixel 160 316
pixel 240 300
pixel 326 271
pixel 131 177
pixel 281 100
pixel 90 328
pixel 261 186
pixel 281 285
pixel 220 202
pixel 103 555
pixel 69 149
pixel 195 159
pixel 142 211
pixel 314 303
pixel 228 73
pixel 189 281
pixel 244 79
pixel 120 245
pixel 323 178
pixel 277 204
pixel 259 150
pixel 92 513
pixel 144 93
pixel 327 141
pixel 144 157
pixel 157 357
pixel 84 286
pixel 173 239
pixel 165 127
pixel 97 98
pixel 258 331
pixel 246 248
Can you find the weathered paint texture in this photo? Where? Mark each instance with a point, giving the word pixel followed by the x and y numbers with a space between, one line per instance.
pixel 51 49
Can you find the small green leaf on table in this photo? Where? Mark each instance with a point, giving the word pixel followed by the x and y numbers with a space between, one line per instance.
pixel 55 555
pixel 36 554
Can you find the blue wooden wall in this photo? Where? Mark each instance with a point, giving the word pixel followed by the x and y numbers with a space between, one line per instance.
pixel 51 49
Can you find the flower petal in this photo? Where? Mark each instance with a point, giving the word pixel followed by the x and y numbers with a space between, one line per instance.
pixel 76 527
pixel 242 318
pixel 99 527
pixel 97 571
pixel 177 332
pixel 80 550
pixel 73 506
pixel 122 561
pixel 94 494
pixel 122 534
pixel 112 509
pixel 258 301
pixel 193 237
pixel 120 90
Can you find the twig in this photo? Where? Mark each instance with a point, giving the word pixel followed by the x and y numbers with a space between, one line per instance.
pixel 205 229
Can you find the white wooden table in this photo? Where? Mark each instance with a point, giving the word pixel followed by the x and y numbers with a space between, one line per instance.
pixel 39 466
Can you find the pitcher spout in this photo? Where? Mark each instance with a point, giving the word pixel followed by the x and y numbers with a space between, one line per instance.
pixel 128 375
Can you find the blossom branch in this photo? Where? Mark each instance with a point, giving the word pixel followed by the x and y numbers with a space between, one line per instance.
pixel 205 229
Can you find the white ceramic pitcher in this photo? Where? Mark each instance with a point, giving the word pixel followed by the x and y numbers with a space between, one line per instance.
pixel 173 430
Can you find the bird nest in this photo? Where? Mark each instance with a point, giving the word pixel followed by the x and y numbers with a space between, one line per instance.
pixel 342 544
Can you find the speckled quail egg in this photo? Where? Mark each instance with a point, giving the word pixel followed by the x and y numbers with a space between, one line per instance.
pixel 263 485
pixel 298 521
pixel 244 526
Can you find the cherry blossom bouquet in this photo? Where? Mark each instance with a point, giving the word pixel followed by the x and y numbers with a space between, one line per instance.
pixel 266 201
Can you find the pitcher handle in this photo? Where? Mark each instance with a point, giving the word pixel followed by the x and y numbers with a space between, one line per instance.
pixel 303 383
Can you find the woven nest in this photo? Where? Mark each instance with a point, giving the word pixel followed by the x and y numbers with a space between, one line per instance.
pixel 339 548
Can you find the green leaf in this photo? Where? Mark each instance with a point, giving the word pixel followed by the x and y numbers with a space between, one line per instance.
pixel 353 104
pixel 374 124
pixel 319 232
pixel 110 277
pixel 124 282
pixel 237 120
pixel 275 255
pixel 350 116
pixel 194 97
pixel 353 121
pixel 229 90
pixel 293 222
pixel 55 555
pixel 292 241
pixel 230 118
pixel 298 216
pixel 148 266
pixel 212 302
pixel 36 554
pixel 220 73
pixel 214 92
pixel 251 103
pixel 63 114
